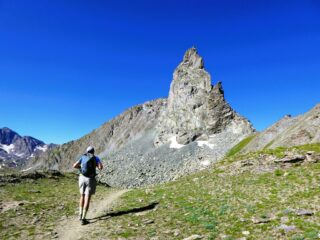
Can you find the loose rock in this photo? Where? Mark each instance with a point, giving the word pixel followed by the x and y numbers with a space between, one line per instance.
pixel 291 159
pixel 256 220
pixel 193 237
pixel 148 222
pixel 176 232
pixel 266 219
pixel 284 219
pixel 246 233
pixel 287 228
pixel 304 212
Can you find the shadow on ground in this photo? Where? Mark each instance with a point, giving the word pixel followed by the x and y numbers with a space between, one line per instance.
pixel 124 212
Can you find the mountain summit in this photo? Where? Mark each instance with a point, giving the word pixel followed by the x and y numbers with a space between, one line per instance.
pixel 15 150
pixel 196 109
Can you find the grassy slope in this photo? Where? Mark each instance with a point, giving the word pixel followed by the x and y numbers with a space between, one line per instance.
pixel 212 203
pixel 237 148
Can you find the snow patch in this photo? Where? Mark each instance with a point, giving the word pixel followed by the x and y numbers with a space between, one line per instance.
pixel 42 148
pixel 144 107
pixel 7 148
pixel 174 143
pixel 202 143
pixel 19 154
pixel 24 170
pixel 205 163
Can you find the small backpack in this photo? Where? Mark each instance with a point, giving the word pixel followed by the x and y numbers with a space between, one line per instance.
pixel 88 165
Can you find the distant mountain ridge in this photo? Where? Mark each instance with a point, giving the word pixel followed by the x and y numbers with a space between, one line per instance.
pixel 288 131
pixel 110 137
pixel 16 150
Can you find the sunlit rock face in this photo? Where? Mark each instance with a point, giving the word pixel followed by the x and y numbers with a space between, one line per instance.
pixel 196 109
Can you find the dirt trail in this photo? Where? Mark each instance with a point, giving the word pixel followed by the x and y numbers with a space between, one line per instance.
pixel 72 229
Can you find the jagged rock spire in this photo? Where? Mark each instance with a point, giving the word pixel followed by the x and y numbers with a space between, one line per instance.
pixel 196 109
pixel 192 59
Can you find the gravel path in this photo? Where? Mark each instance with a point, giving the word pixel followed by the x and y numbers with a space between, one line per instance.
pixel 72 229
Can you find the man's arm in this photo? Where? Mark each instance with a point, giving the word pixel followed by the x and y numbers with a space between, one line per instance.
pixel 100 166
pixel 99 163
pixel 77 164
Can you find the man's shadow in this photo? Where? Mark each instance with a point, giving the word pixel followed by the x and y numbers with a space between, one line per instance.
pixel 124 212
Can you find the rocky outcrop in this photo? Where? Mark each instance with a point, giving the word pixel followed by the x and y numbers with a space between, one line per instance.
pixel 196 109
pixel 289 131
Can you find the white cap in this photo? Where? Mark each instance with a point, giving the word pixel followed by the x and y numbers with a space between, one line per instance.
pixel 90 149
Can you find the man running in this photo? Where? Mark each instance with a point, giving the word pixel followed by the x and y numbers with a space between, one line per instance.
pixel 87 181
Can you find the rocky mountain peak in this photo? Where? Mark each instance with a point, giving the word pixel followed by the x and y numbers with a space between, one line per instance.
pixel 192 59
pixel 8 136
pixel 196 109
pixel 15 149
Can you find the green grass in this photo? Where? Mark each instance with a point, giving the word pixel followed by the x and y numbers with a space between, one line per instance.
pixel 278 152
pixel 268 145
pixel 237 148
pixel 309 147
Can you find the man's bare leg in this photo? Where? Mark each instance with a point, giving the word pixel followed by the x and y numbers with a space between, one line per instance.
pixel 81 204
pixel 87 199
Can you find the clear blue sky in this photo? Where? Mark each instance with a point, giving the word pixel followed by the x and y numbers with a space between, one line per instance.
pixel 66 67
